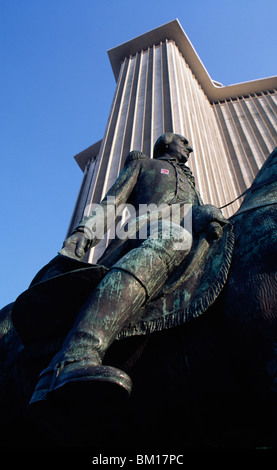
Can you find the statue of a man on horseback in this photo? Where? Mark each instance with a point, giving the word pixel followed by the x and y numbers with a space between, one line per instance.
pixel 138 268
pixel 73 311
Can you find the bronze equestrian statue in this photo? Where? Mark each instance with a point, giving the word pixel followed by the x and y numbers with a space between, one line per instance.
pixel 212 274
pixel 137 270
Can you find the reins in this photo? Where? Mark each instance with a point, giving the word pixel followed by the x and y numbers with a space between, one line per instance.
pixel 249 190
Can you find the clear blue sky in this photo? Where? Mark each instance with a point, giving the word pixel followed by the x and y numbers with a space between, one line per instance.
pixel 56 89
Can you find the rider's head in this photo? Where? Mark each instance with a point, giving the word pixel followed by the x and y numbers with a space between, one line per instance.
pixel 172 145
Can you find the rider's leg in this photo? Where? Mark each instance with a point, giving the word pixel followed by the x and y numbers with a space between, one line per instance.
pixel 138 276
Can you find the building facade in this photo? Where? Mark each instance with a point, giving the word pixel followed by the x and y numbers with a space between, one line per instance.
pixel 162 86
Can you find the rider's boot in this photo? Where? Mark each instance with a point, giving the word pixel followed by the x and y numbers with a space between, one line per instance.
pixel 78 365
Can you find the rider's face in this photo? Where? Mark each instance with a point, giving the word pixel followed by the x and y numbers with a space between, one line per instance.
pixel 178 149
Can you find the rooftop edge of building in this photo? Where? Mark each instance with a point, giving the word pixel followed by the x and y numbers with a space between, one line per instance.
pixel 213 89
pixel 173 31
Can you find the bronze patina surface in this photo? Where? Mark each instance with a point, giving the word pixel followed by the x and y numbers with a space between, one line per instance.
pixel 194 336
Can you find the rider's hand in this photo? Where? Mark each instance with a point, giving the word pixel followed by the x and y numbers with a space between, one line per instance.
pixel 214 231
pixel 80 240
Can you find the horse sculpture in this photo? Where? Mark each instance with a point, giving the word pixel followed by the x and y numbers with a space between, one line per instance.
pixel 210 383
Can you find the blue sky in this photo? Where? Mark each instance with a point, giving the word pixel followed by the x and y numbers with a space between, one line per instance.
pixel 56 89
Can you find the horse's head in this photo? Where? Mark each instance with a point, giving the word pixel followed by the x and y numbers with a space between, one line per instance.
pixel 268 170
pixel 263 190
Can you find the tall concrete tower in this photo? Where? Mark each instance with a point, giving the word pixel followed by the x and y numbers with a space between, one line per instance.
pixel 162 86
